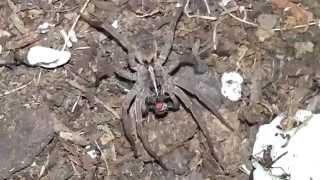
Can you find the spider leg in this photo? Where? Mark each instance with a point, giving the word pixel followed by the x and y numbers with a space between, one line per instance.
pixel 200 67
pixel 128 123
pixel 207 101
pixel 195 110
pixel 175 103
pixel 121 39
pixel 126 75
pixel 193 60
pixel 132 59
pixel 179 61
pixel 139 103
pixel 168 45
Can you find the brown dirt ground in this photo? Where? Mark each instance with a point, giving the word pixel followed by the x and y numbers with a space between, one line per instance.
pixel 49 125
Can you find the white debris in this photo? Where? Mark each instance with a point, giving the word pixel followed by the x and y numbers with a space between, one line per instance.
pixel 178 5
pixel 231 85
pixel 242 9
pixel 73 36
pixel 91 152
pixel 264 34
pixel 115 24
pixel 47 57
pixel 300 154
pixel 44 27
pixel 224 3
pixel 4 33
pixel 66 38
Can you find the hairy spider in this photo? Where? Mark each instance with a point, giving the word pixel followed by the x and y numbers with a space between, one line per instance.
pixel 158 88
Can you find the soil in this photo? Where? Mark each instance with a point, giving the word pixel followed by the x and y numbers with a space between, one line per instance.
pixel 60 124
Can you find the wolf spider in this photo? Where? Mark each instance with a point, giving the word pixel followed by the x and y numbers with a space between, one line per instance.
pixel 144 61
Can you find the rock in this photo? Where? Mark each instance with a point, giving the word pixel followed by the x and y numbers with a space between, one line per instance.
pixel 178 160
pixel 107 134
pixel 303 47
pixel 60 168
pixel 264 34
pixel 25 138
pixel 267 21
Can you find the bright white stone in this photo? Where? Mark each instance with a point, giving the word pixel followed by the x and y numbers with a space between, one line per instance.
pixel 93 154
pixel 44 27
pixel 47 57
pixel 115 24
pixel 231 85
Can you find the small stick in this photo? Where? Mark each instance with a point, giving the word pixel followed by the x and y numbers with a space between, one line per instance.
pixel 43 168
pixel 226 11
pixel 297 27
pixel 75 104
pixel 153 12
pixel 95 98
pixel 74 24
pixel 15 90
pixel 197 16
pixel 76 172
pixel 214 36
pixel 239 19
pixel 39 78
pixel 103 157
pixel 207 6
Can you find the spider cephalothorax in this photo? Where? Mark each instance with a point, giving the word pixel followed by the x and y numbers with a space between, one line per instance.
pixel 157 89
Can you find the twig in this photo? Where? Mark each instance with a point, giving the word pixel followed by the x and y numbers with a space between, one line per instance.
pixel 207 6
pixel 214 34
pixel 229 12
pixel 76 172
pixel 226 11
pixel 186 12
pixel 153 12
pixel 93 97
pixel 297 27
pixel 75 104
pixel 82 48
pixel 15 90
pixel 107 107
pixel 43 168
pixel 103 157
pixel 74 24
pixel 239 19
pixel 62 10
pixel 38 78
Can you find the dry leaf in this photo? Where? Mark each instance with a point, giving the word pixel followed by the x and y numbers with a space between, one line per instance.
pixel 297 15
